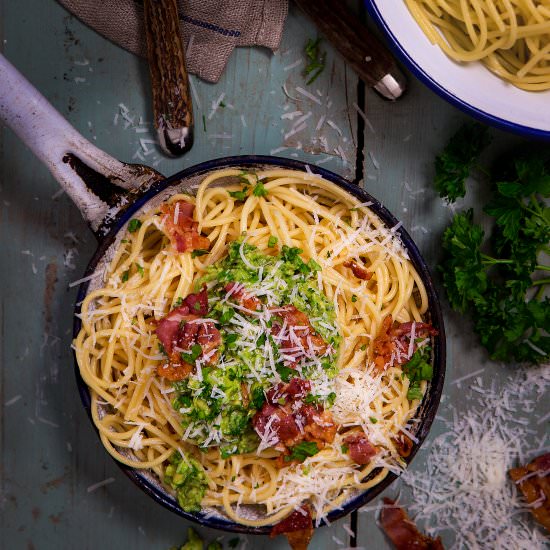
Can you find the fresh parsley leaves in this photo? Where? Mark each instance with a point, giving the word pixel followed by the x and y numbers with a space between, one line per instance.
pixel 199 252
pixel 301 451
pixel 240 195
pixel 501 280
pixel 453 165
pixel 134 225
pixel 316 60
pixel 417 369
pixel 272 241
pixel 259 190
pixel 191 356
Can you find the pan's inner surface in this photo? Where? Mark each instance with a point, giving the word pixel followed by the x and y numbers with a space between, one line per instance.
pixel 215 516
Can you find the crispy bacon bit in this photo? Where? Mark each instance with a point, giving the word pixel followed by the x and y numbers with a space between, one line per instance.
pixel 404 445
pixel 391 346
pixel 194 305
pixel 298 339
pixel 289 421
pixel 181 329
pixel 298 528
pixel 180 227
pixel 360 448
pixel 403 533
pixel 383 347
pixel 238 292
pixel 533 481
pixel 358 270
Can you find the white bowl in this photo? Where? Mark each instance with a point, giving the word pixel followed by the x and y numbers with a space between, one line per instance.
pixel 471 87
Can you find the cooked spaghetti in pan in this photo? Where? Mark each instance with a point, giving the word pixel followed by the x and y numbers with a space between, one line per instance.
pixel 263 345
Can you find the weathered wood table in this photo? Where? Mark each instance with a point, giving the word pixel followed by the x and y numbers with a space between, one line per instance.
pixel 59 488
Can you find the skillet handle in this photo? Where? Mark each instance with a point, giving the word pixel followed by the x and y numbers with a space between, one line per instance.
pixel 96 182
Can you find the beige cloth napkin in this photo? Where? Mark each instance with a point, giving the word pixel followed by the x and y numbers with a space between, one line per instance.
pixel 210 28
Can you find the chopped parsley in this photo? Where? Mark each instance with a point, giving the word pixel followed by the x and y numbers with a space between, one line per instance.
pixel 140 270
pixel 316 60
pixel 199 252
pixel 272 241
pixel 417 369
pixel 125 276
pixel 302 450
pixel 259 190
pixel 191 356
pixel 134 225
pixel 240 195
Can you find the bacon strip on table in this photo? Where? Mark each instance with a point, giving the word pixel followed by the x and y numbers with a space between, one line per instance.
pixel 391 345
pixel 533 481
pixel 403 533
pixel 285 420
pixel 296 337
pixel 297 527
pixel 360 448
pixel 358 270
pixel 181 228
pixel 184 327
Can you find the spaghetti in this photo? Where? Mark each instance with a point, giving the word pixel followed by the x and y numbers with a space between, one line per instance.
pixel 311 314
pixel 512 38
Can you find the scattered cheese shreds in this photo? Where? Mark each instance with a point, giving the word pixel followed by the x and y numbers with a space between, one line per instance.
pixel 465 488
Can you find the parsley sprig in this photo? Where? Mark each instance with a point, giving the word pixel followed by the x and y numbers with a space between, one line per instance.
pixel 453 165
pixel 501 280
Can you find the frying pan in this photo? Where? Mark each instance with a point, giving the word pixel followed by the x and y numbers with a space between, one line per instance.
pixel 109 193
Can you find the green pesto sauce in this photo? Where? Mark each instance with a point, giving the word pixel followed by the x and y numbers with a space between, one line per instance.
pixel 217 403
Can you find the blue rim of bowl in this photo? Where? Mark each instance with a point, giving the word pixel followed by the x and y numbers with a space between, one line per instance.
pixel 483 116
pixel 431 399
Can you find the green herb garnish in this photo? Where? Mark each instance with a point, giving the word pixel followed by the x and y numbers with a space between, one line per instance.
pixel 303 450
pixel 315 60
pixel 354 298
pixel 272 241
pixel 259 190
pixel 125 276
pixel 140 270
pixel 239 195
pixel 193 355
pixel 453 165
pixel 500 281
pixel 199 252
pixel 134 225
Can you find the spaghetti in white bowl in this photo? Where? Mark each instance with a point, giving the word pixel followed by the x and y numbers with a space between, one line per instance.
pixel 261 348
pixel 469 86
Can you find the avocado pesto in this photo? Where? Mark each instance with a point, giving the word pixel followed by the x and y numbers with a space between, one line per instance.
pixel 246 290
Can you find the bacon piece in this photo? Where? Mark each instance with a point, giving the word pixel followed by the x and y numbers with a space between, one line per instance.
pixel 181 329
pixel 194 305
pixel 360 448
pixel 404 445
pixel 391 345
pixel 383 347
pixel 358 270
pixel 290 420
pixel 403 533
pixel 181 229
pixel 299 338
pixel 298 528
pixel 533 481
pixel 245 300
